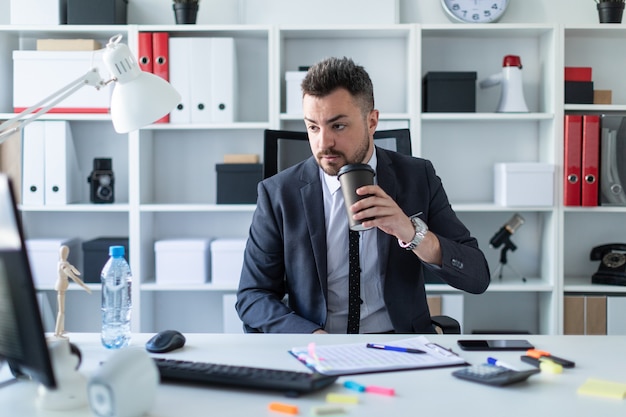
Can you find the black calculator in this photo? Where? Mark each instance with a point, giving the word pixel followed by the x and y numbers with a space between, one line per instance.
pixel 493 375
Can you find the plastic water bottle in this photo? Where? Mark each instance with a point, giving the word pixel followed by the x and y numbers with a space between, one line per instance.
pixel 116 300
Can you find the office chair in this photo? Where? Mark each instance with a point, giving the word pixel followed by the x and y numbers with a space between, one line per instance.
pixel 282 149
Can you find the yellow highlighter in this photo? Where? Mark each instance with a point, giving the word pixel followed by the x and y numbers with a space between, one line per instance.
pixel 332 397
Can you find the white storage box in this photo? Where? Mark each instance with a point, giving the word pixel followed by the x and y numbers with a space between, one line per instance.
pixel 182 261
pixel 293 97
pixel 227 255
pixel 524 184
pixel 38 74
pixel 43 255
pixel 38 12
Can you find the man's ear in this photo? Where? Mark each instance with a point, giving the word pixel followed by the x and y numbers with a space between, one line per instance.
pixel 372 121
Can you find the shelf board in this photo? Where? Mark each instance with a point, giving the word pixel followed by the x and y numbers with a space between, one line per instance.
pixel 355 31
pixel 152 286
pixel 174 208
pixel 504 285
pixel 485 30
pixel 71 117
pixel 490 207
pixel 595 107
pixel 584 285
pixel 208 126
pixel 88 208
pixel 595 209
pixel 237 31
pixel 481 117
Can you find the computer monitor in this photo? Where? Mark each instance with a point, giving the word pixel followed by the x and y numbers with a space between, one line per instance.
pixel 283 148
pixel 22 341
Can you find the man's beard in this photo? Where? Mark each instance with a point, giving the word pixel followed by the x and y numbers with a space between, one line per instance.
pixel 333 168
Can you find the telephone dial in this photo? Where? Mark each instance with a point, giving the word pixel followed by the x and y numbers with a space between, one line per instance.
pixel 612 269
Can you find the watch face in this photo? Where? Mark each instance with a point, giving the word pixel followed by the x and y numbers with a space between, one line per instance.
pixel 475 11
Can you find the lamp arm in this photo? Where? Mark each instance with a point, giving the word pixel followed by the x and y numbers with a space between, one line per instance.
pixel 12 125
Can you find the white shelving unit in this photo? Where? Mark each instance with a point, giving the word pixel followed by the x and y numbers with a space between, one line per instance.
pixel 166 184
pixel 602 49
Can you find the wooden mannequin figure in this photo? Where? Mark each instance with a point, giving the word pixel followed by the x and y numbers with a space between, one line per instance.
pixel 65 270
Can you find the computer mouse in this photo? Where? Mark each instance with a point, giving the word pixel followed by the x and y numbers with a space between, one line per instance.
pixel 165 341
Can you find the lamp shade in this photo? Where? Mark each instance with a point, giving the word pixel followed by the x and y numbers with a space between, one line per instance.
pixel 139 98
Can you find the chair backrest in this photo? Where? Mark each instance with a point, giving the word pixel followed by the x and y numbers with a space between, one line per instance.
pixel 283 148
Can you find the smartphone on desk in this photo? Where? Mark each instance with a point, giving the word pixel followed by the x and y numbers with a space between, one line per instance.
pixel 495 344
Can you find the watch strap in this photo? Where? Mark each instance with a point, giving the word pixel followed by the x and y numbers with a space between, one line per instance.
pixel 420 233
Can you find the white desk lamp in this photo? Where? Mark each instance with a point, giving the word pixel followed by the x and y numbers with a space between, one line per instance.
pixel 139 98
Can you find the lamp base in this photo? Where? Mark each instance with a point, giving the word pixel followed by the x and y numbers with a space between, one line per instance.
pixel 71 390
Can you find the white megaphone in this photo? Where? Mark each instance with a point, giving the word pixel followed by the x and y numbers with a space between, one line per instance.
pixel 512 93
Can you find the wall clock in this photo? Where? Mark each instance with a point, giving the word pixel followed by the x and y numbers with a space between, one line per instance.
pixel 474 11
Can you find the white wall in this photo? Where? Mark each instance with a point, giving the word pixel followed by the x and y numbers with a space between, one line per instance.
pixel 411 11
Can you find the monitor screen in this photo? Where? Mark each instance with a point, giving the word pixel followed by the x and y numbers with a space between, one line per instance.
pixel 22 341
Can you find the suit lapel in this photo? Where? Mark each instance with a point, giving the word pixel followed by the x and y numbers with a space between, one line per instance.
pixel 313 203
pixel 386 180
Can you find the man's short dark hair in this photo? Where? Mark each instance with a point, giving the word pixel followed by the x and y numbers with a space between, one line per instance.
pixel 331 73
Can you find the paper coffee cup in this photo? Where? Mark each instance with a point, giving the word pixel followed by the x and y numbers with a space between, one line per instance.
pixel 351 177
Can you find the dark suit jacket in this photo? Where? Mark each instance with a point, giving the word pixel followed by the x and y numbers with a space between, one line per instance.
pixel 286 249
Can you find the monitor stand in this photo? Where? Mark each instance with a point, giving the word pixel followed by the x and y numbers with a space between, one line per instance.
pixel 71 390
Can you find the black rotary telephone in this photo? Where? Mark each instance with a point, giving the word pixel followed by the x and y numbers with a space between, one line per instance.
pixel 612 269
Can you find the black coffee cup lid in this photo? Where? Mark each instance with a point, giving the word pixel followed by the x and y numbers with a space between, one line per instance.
pixel 355 167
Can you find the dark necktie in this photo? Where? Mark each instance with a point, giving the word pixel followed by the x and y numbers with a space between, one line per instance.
pixel 354 284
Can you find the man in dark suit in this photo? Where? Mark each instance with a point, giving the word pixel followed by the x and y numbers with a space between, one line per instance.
pixel 295 272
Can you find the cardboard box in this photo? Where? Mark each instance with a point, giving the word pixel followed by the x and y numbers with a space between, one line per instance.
pixel 241 158
pixel 182 261
pixel 449 92
pixel 43 255
pixel 227 256
pixel 38 74
pixel 96 254
pixel 524 184
pixel 293 97
pixel 602 97
pixel 68 45
pixel 236 183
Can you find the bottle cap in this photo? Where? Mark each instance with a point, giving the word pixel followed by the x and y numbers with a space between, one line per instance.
pixel 116 251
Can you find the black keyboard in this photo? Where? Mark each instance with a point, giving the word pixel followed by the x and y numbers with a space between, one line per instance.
pixel 290 382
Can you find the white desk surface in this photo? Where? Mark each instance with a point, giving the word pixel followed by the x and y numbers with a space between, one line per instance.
pixel 431 392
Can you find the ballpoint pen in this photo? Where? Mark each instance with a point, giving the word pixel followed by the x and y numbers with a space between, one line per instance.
pixel 496 362
pixel 394 348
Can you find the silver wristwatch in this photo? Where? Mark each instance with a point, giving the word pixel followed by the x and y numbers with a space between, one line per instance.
pixel 420 233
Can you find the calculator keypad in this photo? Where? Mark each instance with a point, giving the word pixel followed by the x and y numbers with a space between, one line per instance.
pixel 493 375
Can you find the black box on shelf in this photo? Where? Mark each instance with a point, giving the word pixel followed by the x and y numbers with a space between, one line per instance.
pixel 236 183
pixel 578 92
pixel 449 92
pixel 96 12
pixel 96 254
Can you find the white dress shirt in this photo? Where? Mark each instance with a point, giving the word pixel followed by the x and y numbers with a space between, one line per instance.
pixel 374 316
